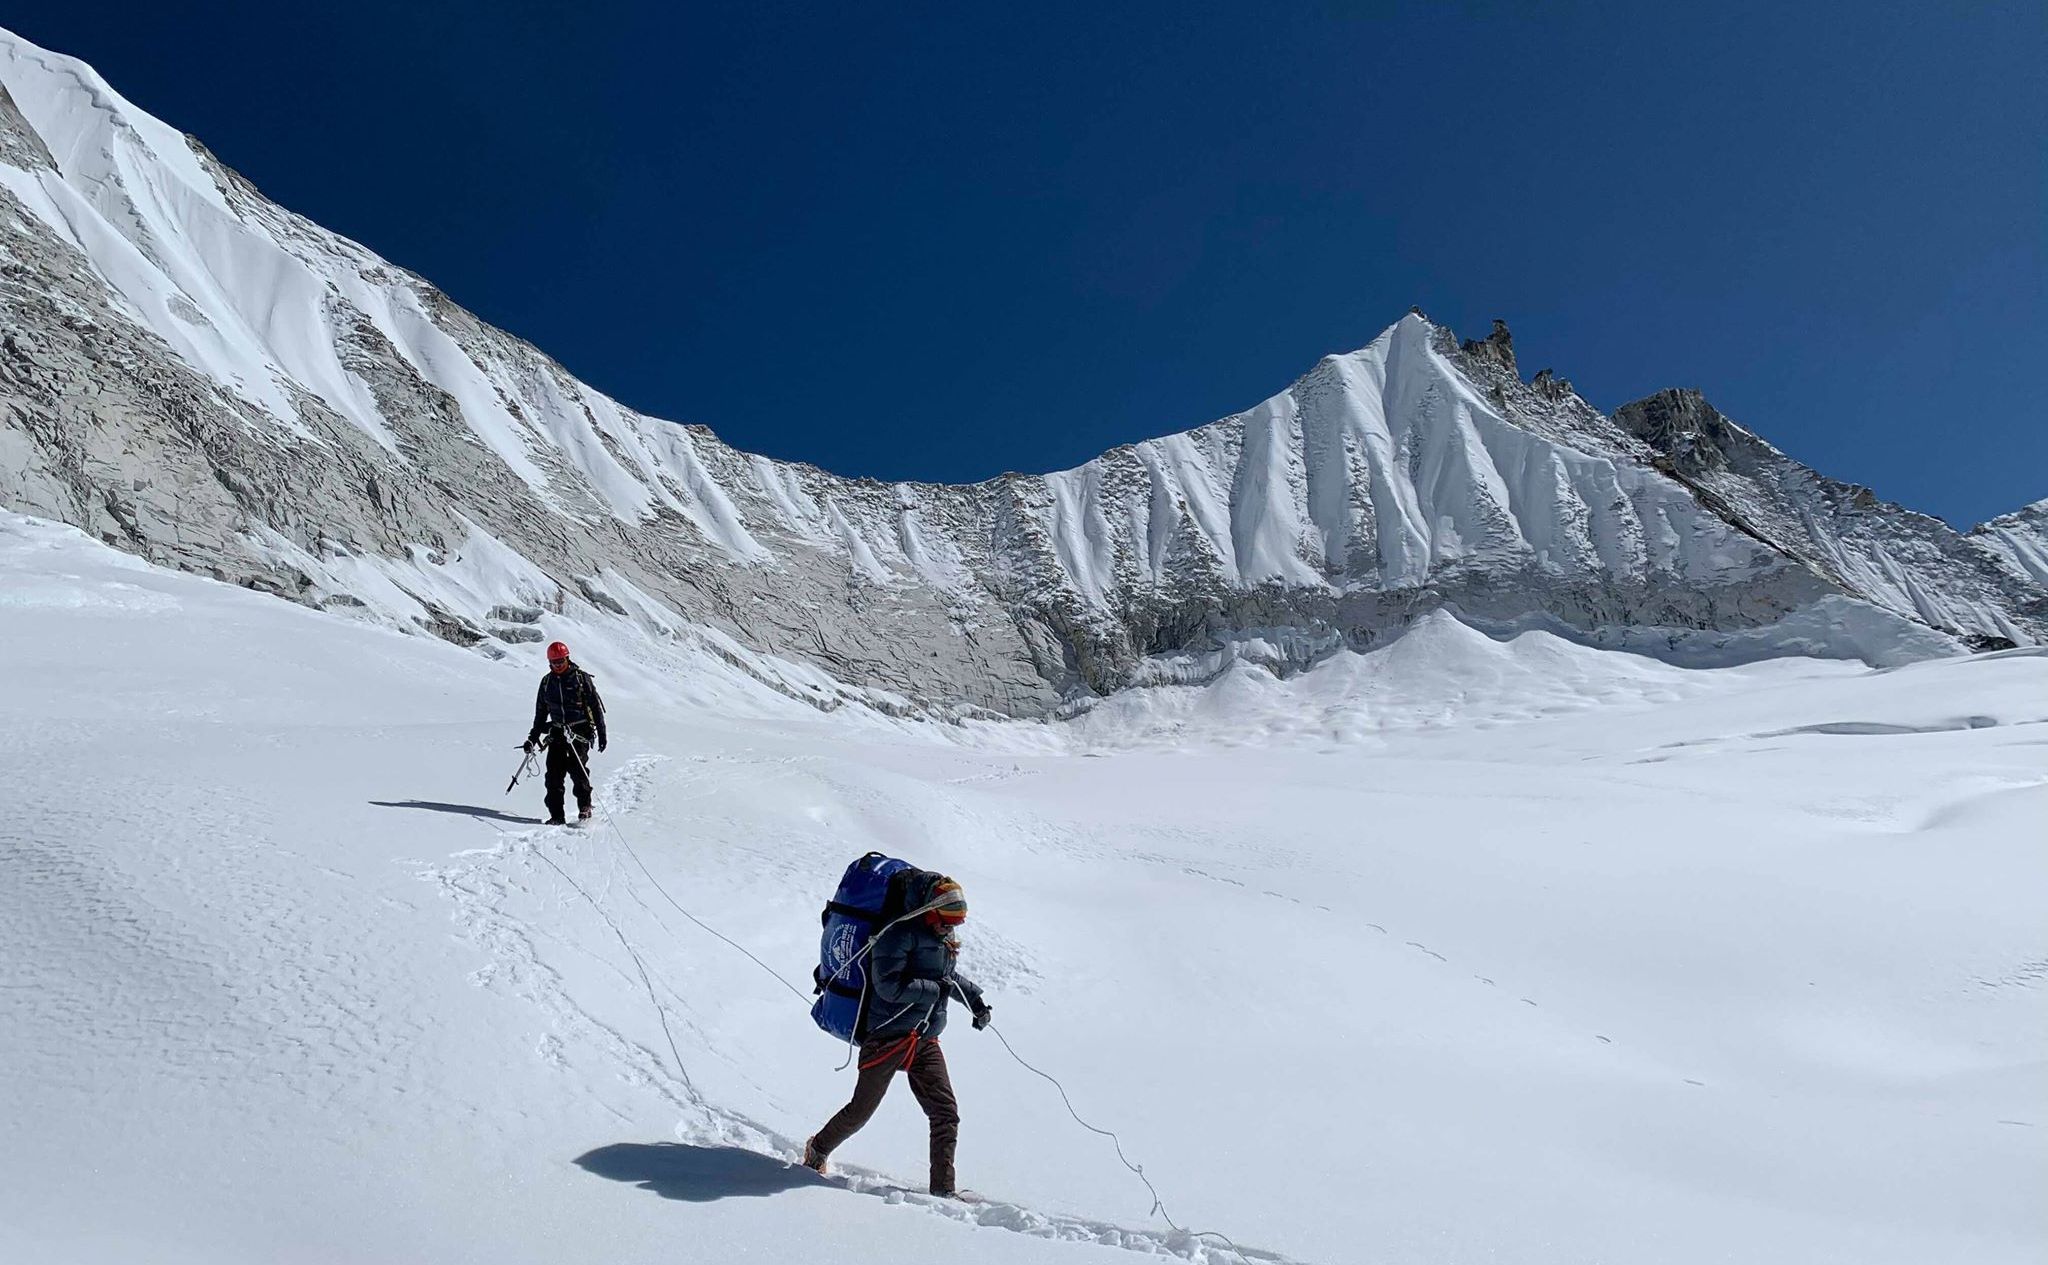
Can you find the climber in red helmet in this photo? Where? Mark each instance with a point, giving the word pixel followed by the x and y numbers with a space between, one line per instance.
pixel 569 715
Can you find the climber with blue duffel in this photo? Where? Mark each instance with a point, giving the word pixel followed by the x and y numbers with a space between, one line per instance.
pixel 909 974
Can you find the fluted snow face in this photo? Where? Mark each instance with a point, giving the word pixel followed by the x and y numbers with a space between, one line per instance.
pixel 2021 539
pixel 1380 470
pixel 201 377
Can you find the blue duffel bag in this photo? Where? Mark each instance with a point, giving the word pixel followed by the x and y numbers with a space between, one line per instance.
pixel 852 917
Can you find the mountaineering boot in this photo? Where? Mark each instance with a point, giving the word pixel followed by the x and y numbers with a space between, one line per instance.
pixel 558 820
pixel 814 1159
pixel 583 812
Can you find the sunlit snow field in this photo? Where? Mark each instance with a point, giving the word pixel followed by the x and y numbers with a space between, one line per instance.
pixel 1463 950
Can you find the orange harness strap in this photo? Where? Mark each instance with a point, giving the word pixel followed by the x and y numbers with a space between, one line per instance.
pixel 907 1045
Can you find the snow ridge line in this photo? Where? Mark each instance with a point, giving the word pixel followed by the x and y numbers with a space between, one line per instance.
pixel 480 889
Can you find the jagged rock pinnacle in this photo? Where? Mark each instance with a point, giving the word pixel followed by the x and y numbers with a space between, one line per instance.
pixel 1497 347
pixel 1551 387
pixel 1679 423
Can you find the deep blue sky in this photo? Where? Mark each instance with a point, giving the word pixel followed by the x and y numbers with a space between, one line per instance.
pixel 944 241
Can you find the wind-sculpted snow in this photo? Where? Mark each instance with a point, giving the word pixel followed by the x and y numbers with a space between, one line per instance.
pixel 207 380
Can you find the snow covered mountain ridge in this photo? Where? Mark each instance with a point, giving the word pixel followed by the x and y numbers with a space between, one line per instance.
pixel 198 376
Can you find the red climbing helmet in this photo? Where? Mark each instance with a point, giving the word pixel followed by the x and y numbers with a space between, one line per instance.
pixel 557 652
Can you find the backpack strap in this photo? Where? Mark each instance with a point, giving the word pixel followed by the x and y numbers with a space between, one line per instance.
pixel 868 916
pixel 836 987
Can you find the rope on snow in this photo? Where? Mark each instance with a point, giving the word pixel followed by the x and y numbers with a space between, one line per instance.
pixel 1158 1204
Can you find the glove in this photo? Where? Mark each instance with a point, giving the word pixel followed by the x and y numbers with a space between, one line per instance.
pixel 600 742
pixel 529 744
pixel 982 1014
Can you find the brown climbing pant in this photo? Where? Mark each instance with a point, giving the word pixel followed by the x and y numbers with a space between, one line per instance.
pixel 929 1084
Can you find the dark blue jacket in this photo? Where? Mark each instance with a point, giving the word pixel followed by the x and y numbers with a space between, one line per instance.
pixel 568 699
pixel 911 974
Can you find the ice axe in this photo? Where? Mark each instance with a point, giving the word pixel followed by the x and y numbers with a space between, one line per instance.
pixel 524 765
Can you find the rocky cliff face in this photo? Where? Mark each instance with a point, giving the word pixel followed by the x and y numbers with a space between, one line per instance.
pixel 1907 562
pixel 199 376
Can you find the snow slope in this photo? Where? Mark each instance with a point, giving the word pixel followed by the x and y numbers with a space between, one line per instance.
pixel 210 381
pixel 2022 537
pixel 1522 952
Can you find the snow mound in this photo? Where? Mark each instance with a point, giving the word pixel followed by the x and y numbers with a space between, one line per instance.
pixel 1834 627
pixel 1440 674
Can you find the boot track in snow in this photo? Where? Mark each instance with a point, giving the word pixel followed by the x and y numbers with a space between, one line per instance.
pixel 482 883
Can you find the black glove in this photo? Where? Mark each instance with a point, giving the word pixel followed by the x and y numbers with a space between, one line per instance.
pixel 982 1014
pixel 600 742
pixel 528 746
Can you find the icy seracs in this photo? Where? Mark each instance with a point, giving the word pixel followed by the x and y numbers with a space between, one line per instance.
pixel 200 377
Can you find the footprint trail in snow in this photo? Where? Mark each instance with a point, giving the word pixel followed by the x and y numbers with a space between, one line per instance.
pixel 486 880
